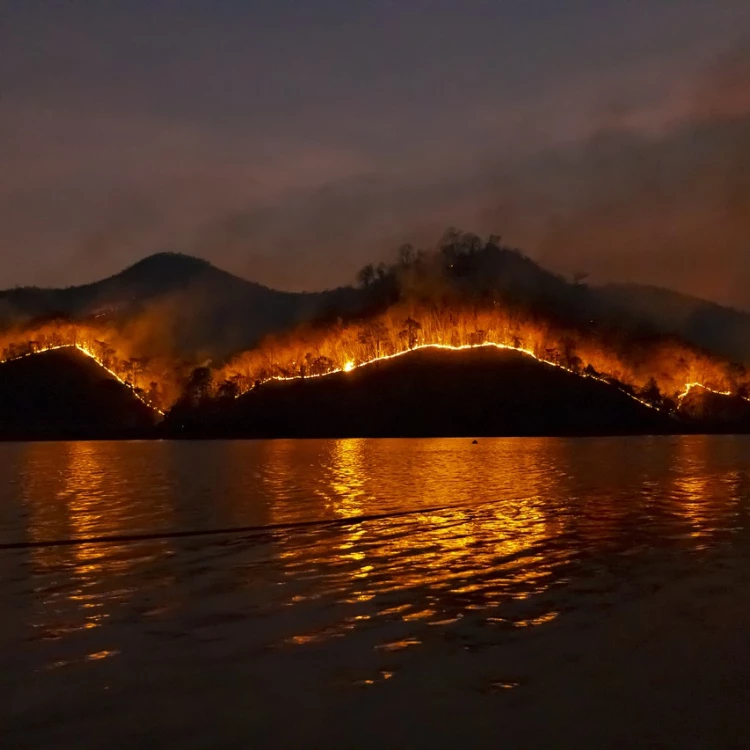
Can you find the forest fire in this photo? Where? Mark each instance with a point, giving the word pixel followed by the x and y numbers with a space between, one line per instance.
pixel 658 378
pixel 266 363
pixel 350 366
pixel 690 387
pixel 466 295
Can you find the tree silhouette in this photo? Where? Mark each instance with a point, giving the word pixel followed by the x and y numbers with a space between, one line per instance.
pixel 199 387
pixel 651 392
pixel 366 276
pixel 406 255
pixel 228 390
pixel 153 395
pixel 568 356
pixel 410 332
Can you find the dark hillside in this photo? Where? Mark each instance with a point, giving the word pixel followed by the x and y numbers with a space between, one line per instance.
pixel 716 412
pixel 432 393
pixel 64 394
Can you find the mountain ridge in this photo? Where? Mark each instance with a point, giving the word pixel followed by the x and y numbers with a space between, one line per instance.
pixel 197 306
pixel 708 324
pixel 206 309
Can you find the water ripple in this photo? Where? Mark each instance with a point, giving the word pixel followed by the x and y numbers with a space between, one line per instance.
pixel 333 538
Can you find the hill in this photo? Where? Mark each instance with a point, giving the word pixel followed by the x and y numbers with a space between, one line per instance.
pixel 198 308
pixel 63 394
pixel 716 412
pixel 478 392
pixel 183 306
pixel 721 330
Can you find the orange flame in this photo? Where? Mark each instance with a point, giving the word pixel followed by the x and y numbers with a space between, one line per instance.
pixel 675 368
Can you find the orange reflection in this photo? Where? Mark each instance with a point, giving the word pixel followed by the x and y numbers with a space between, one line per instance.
pixel 348 495
pixel 455 552
pixel 702 493
pixel 83 496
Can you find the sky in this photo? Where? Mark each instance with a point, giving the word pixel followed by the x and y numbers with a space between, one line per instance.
pixel 292 141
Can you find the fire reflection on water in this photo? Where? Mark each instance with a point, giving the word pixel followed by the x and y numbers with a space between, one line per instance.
pixel 704 493
pixel 350 535
pixel 495 530
pixel 79 586
pixel 453 557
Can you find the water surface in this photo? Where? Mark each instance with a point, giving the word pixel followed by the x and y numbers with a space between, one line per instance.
pixel 370 552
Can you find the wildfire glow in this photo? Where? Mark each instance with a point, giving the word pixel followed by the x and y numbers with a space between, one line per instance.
pixel 657 374
pixel 689 387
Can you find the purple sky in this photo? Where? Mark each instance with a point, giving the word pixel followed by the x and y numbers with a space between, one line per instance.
pixel 292 141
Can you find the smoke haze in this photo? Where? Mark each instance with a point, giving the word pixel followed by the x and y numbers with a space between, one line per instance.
pixel 292 146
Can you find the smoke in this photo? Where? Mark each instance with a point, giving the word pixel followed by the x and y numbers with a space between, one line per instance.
pixel 659 195
pixel 318 239
pixel 671 208
pixel 650 186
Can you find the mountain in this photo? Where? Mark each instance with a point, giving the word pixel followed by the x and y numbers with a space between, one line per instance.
pixel 183 306
pixel 429 393
pixel 191 304
pixel 711 326
pixel 64 394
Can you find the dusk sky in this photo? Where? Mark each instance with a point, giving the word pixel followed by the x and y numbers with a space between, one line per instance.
pixel 291 141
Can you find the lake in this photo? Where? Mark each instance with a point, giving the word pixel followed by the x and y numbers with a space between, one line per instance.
pixel 369 593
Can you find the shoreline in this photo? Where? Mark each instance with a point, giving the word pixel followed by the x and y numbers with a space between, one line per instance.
pixel 157 435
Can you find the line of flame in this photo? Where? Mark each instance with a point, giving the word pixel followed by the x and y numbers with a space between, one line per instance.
pixel 691 386
pixel 349 366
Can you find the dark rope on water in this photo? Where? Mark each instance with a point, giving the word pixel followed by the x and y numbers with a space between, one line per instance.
pixel 230 530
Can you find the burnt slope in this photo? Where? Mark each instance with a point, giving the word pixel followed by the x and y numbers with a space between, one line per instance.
pixel 432 393
pixel 65 394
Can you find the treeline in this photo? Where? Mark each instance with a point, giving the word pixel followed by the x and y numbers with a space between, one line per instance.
pixel 466 291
